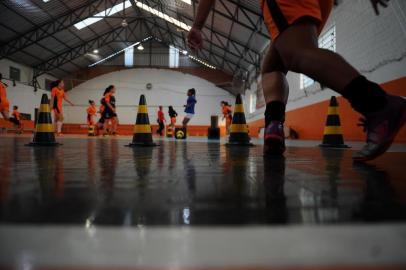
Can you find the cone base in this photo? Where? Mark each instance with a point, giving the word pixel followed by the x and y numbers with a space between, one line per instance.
pixel 334 146
pixel 232 144
pixel 43 144
pixel 142 145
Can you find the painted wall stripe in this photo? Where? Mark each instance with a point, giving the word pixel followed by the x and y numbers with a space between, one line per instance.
pixel 331 130
pixel 239 128
pixel 44 108
pixel 142 129
pixel 332 111
pixel 239 108
pixel 142 109
pixel 45 128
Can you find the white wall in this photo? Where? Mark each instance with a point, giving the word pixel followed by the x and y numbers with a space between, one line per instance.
pixel 22 94
pixel 374 45
pixel 169 88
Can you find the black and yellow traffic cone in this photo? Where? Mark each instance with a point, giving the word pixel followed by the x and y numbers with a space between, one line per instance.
pixel 169 132
pixel 142 129
pixel 239 129
pixel 333 135
pixel 44 130
pixel 91 130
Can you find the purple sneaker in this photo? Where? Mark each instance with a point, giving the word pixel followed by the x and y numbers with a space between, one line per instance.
pixel 381 128
pixel 274 139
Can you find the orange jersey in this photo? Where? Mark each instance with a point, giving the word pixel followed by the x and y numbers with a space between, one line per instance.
pixel 173 120
pixel 91 110
pixel 58 95
pixel 101 108
pixel 280 14
pixel 4 104
pixel 227 112
pixel 16 115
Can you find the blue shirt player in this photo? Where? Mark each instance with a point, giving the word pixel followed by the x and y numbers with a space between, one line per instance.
pixel 190 106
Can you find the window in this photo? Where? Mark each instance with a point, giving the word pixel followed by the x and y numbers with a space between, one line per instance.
pixel 15 74
pixel 253 102
pixel 326 41
pixel 173 57
pixel 48 84
pixel 129 57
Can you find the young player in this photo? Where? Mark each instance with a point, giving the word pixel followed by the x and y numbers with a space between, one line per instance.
pixel 294 27
pixel 227 114
pixel 16 120
pixel 190 106
pixel 4 103
pixel 172 115
pixel 161 121
pixel 57 97
pixel 91 113
pixel 100 123
pixel 109 112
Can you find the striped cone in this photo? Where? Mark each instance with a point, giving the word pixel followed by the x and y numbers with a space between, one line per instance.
pixel 239 129
pixel 142 129
pixel 44 130
pixel 91 131
pixel 333 135
pixel 169 132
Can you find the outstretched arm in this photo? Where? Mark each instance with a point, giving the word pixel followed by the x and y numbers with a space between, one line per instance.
pixel 195 40
pixel 67 100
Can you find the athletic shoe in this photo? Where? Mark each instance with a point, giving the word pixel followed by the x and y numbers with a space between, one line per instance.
pixel 274 139
pixel 381 128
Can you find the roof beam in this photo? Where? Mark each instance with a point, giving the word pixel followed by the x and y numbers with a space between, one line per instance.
pixel 81 49
pixel 52 27
pixel 180 45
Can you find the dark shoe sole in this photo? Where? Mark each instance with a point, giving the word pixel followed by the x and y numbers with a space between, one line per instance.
pixel 386 145
pixel 274 147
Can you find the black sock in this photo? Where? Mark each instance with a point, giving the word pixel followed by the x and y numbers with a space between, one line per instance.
pixel 275 111
pixel 365 96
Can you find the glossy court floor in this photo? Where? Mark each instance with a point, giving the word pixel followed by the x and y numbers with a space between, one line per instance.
pixel 99 183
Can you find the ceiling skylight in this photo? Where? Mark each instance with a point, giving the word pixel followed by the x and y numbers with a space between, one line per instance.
pixel 126 4
pixel 118 52
pixel 105 13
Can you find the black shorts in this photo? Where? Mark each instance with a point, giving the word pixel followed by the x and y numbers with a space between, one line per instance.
pixel 107 114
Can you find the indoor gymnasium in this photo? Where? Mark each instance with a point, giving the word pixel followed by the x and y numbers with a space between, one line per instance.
pixel 203 134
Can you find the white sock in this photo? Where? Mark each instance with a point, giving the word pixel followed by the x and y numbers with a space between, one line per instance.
pixel 59 126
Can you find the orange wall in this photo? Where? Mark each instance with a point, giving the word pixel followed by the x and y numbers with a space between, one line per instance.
pixel 122 129
pixel 26 124
pixel 309 121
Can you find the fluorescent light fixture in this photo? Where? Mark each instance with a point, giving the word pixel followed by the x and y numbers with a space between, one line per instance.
pixel 96 51
pixel 50 0
pixel 126 4
pixel 184 52
pixel 140 47
pixel 201 62
pixel 105 13
pixel 120 51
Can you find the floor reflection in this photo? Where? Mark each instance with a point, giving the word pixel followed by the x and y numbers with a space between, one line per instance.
pixel 101 182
